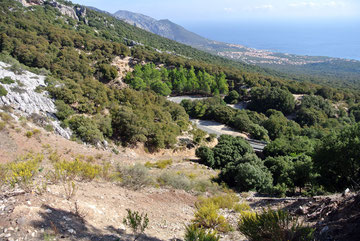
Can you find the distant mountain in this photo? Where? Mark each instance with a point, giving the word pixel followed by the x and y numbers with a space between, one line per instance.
pixel 165 28
pixel 334 71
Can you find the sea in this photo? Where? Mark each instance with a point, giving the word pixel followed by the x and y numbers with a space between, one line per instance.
pixel 331 38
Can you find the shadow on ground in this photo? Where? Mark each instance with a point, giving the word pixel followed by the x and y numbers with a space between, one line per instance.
pixel 68 225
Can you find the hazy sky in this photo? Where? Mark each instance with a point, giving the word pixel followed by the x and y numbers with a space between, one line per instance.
pixel 224 10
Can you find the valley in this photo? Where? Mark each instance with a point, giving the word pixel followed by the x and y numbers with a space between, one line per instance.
pixel 110 132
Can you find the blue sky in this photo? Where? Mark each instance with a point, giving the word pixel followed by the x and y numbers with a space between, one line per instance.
pixel 183 11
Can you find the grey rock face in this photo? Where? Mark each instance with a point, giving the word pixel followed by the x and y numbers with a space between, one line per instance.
pixel 65 10
pixel 25 100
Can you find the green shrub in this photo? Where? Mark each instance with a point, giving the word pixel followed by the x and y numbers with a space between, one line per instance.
pixel 63 110
pixel 29 134
pixel 175 180
pixel 134 177
pixel 162 164
pixel 22 172
pixel 3 91
pixel 49 128
pixel 241 207
pixel 86 129
pixel 194 233
pixel 274 225
pixel 232 97
pixel 198 135
pixel 7 80
pixel 221 201
pixel 137 222
pixel 207 216
pixel 70 170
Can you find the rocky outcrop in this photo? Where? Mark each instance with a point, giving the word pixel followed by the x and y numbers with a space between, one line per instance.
pixel 28 3
pixel 65 10
pixel 77 13
pixel 25 98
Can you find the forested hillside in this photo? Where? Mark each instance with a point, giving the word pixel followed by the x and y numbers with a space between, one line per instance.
pixel 77 54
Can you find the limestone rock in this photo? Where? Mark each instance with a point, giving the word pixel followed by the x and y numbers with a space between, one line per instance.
pixel 26 101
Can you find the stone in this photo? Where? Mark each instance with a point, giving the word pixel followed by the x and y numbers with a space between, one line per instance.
pixel 48 211
pixel 346 192
pixel 324 230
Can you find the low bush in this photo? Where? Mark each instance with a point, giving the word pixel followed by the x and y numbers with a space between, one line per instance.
pixel 3 91
pixel 22 172
pixel 194 233
pixel 134 177
pixel 70 170
pixel 207 216
pixel 7 80
pixel 221 201
pixel 175 180
pixel 162 164
pixel 137 222
pixel 241 207
pixel 274 225
pixel 29 134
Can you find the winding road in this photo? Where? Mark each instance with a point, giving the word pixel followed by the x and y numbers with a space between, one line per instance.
pixel 213 127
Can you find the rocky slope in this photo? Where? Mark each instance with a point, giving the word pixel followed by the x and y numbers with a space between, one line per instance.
pixel 26 99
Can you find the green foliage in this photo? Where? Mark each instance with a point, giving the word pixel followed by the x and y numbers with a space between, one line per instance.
pixel 310 117
pixel 70 170
pixel 195 233
pixel 29 134
pixel 249 175
pixel 230 149
pixel 107 72
pixel 278 125
pixel 147 118
pixel 290 172
pixel 207 217
pixel 274 225
pixel 337 159
pixel 286 146
pixel 3 91
pixel 137 222
pixel 7 80
pixel 162 164
pixel 198 135
pixel 228 200
pixel 178 80
pixel 241 207
pixel 206 156
pixel 232 98
pixel 318 103
pixel 86 129
pixel 240 167
pixel 160 88
pixel 22 171
pixel 63 110
pixel 263 99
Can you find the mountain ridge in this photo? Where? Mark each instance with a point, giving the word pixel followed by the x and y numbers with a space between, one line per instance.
pixel 319 69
